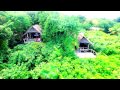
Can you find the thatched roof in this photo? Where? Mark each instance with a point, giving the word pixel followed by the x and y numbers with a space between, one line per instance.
pixel 83 39
pixel 37 28
pixel 80 36
pixel 34 29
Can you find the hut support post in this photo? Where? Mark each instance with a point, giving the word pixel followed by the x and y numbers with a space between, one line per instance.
pixel 88 46
pixel 27 36
pixel 30 35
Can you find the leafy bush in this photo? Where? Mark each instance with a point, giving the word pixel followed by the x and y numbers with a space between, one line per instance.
pixel 15 72
pixel 26 54
pixel 104 43
pixel 55 58
pixel 115 30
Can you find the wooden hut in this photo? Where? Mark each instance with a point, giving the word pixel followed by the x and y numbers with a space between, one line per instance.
pixel 84 43
pixel 32 34
pixel 84 50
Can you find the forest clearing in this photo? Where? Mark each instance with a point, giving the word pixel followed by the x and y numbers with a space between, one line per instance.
pixel 50 45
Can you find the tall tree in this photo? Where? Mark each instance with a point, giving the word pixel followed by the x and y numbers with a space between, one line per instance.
pixel 82 19
pixel 106 24
pixel 34 16
pixel 117 19
pixel 5 35
pixel 60 29
pixel 20 22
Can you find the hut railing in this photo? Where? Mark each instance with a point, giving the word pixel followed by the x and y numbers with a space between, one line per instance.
pixel 87 50
pixel 31 40
pixel 93 51
pixel 28 40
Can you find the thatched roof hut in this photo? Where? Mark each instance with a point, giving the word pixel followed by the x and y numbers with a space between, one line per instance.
pixel 83 41
pixel 33 34
pixel 34 29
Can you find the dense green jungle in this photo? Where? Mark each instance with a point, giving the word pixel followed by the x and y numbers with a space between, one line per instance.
pixel 54 57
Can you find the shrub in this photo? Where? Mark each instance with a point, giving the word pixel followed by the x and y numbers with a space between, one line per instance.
pixel 15 72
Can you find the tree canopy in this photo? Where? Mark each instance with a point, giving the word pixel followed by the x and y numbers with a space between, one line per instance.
pixel 55 57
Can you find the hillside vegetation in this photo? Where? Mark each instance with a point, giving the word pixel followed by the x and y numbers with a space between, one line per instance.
pixel 54 57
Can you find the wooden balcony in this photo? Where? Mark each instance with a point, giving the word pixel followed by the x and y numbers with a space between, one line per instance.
pixel 86 49
pixel 31 40
pixel 86 53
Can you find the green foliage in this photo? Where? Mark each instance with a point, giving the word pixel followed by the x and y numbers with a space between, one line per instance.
pixel 34 16
pixel 106 24
pixel 5 35
pixel 60 30
pixel 15 72
pixel 45 72
pixel 3 17
pixel 43 15
pixel 20 22
pixel 104 43
pixel 117 19
pixel 67 68
pixel 54 58
pixel 82 19
pixel 115 30
pixel 87 25
pixel 29 54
